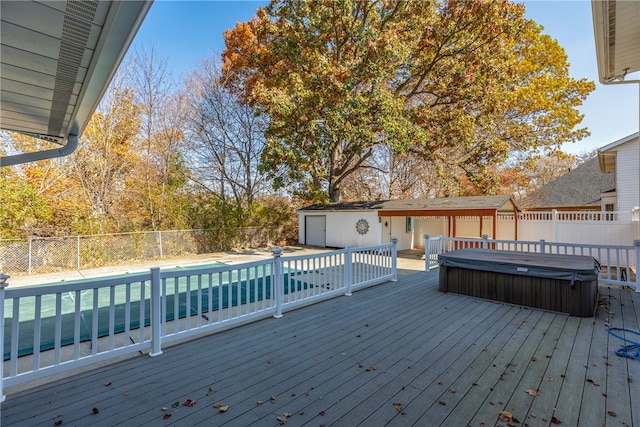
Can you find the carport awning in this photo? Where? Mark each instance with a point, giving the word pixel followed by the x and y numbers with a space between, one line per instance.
pixel 439 212
pixel 450 206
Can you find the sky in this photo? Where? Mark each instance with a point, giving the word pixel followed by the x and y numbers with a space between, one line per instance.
pixel 185 31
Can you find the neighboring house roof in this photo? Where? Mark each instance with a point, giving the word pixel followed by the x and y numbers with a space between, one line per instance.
pixel 607 154
pixel 426 207
pixel 617 37
pixel 580 187
pixel 56 60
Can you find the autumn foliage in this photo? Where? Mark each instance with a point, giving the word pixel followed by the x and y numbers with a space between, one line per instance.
pixel 460 84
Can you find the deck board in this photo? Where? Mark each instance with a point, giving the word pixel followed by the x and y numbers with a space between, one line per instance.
pixel 445 359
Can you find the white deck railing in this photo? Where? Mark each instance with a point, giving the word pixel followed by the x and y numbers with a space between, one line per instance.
pixel 619 264
pixel 54 328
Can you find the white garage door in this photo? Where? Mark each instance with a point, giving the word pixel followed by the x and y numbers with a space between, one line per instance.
pixel 315 226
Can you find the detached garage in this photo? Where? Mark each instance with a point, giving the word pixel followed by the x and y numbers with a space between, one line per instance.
pixel 373 222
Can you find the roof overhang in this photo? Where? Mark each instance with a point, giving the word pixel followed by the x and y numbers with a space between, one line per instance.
pixel 617 37
pixel 57 59
pixel 607 154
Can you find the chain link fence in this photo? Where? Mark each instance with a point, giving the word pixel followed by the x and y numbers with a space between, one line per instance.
pixel 49 254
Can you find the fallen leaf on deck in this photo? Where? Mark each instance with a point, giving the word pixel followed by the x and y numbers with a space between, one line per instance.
pixel 371 368
pixel 533 415
pixel 164 409
pixel 531 392
pixel 166 416
pixel 507 416
pixel 612 414
pixel 474 383
pixel 549 378
pixel 589 380
pixel 175 404
pixel 107 384
pixel 398 406
pixel 442 402
pixel 259 402
pixel 189 402
pixel 452 390
pixel 126 393
pixel 95 410
pixel 58 423
pixel 554 420
pixel 321 413
pixel 281 420
pixel 272 398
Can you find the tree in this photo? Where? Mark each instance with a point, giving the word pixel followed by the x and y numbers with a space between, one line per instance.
pixel 160 172
pixel 46 193
pixel 227 138
pixel 460 83
pixel 104 159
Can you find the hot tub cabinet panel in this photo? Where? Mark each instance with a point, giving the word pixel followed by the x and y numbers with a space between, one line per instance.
pixel 562 283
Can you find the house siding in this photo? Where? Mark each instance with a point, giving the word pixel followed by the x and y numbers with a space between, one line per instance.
pixel 341 228
pixel 627 176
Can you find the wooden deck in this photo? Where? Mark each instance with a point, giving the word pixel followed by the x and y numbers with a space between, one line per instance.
pixel 396 354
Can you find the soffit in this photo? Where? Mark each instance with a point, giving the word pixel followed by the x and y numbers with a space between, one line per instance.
pixel 57 59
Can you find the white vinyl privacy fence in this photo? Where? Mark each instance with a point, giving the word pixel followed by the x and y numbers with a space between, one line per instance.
pixel 51 329
pixel 619 263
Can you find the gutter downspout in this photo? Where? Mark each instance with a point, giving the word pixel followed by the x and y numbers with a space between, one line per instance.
pixel 65 150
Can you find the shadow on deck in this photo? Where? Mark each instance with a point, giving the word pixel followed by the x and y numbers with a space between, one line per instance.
pixel 395 354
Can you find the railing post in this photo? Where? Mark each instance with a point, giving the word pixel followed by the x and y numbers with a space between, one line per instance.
pixel 485 241
pixel 156 323
pixel 439 250
pixel 427 252
pixel 278 281
pixel 394 259
pixel 636 243
pixel 3 285
pixel 542 247
pixel 348 270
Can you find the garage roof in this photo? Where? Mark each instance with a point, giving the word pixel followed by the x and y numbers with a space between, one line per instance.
pixel 617 36
pixel 473 205
pixel 57 59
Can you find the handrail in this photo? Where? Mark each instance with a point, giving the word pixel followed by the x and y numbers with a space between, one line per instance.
pixel 619 262
pixel 54 328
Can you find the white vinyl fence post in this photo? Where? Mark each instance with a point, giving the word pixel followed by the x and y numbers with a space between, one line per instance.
pixel 78 250
pixel 3 285
pixel 156 324
pixel 394 259
pixel 278 281
pixel 636 243
pixel 348 270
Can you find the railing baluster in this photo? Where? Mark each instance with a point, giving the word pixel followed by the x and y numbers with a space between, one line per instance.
pixel 37 338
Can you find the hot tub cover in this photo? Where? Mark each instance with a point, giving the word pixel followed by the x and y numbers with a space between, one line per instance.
pixel 554 266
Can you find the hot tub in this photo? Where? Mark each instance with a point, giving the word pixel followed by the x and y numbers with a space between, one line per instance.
pixel 562 283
